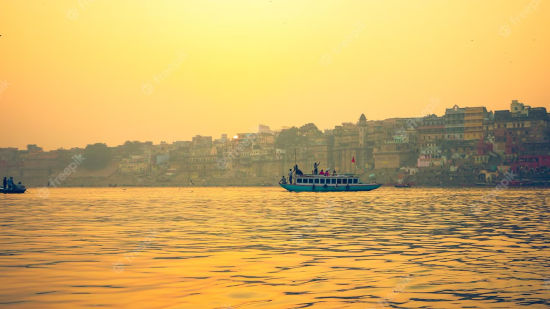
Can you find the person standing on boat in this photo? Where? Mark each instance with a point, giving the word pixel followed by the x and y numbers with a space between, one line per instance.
pixel 290 176
pixel 315 167
pixel 5 182
pixel 334 172
pixel 10 183
pixel 321 172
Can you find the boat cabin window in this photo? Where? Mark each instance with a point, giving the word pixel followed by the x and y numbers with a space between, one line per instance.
pixel 299 180
pixel 310 180
pixel 322 181
pixel 333 181
pixel 316 180
pixel 345 181
pixel 339 180
pixel 355 180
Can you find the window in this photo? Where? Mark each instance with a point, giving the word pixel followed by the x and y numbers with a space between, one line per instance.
pixel 299 180
pixel 310 180
pixel 345 181
pixel 316 180
pixel 339 181
pixel 322 181
pixel 333 181
pixel 356 180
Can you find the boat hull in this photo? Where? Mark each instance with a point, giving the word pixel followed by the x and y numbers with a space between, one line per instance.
pixel 322 188
pixel 13 191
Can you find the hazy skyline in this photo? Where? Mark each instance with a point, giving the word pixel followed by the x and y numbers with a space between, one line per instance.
pixel 84 71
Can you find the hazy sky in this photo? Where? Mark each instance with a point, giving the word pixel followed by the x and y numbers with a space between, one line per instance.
pixel 81 71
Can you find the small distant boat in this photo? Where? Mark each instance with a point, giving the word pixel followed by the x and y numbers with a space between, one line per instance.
pixel 16 189
pixel 322 183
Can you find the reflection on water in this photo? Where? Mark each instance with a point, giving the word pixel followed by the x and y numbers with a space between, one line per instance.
pixel 265 247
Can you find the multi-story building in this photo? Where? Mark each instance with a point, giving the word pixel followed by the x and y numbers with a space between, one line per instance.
pixel 454 123
pixel 431 129
pixel 136 164
pixel 201 141
pixel 521 129
pixel 465 123
pixel 474 118
pixel 393 155
pixel 345 146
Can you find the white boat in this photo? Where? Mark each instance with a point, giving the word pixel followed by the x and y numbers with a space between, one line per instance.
pixel 322 183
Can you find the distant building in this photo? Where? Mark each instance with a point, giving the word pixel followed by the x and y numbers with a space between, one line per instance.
pixel 474 118
pixel 264 129
pixel 521 129
pixel 162 158
pixel 135 164
pixel 202 141
pixel 454 123
pixel 393 156
pixel 431 130
pixel 33 148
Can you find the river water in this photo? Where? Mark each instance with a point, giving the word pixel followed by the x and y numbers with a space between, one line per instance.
pixel 268 248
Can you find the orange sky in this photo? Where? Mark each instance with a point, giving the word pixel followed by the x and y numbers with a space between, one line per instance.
pixel 81 71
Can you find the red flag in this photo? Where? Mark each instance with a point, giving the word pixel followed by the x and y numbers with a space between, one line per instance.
pixel 353 159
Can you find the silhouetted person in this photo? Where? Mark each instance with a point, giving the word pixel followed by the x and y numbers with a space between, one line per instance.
pixel 5 182
pixel 290 176
pixel 297 171
pixel 321 172
pixel 315 167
